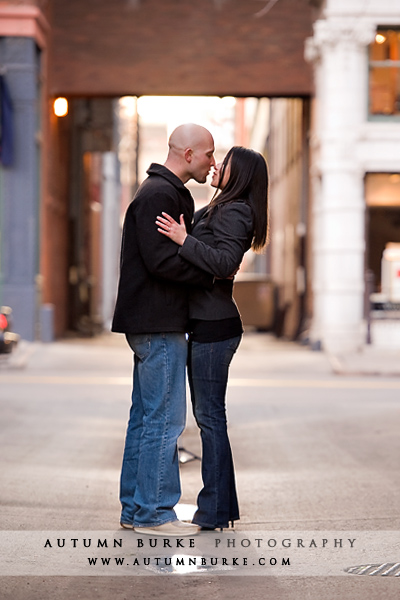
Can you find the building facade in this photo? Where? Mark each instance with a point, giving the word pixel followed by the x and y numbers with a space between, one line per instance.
pixel 355 135
pixel 24 31
pixel 331 71
pixel 92 53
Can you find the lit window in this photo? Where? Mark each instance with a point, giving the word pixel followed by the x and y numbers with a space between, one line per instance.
pixel 384 74
pixel 382 189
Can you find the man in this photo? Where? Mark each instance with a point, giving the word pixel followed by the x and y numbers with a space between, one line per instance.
pixel 152 310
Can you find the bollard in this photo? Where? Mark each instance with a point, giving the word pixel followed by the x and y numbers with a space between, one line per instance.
pixel 47 323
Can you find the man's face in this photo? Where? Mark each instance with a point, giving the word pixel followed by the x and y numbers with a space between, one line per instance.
pixel 202 161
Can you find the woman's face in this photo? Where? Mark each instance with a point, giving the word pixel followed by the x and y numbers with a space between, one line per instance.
pixel 215 182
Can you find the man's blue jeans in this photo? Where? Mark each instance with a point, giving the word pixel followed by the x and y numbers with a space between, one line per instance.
pixel 150 483
pixel 208 368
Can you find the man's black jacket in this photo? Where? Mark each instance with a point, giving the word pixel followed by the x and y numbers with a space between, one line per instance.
pixel 154 279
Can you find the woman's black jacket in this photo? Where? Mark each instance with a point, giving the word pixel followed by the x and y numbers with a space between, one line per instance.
pixel 217 245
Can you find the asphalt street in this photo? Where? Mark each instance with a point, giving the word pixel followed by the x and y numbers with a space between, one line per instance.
pixel 316 457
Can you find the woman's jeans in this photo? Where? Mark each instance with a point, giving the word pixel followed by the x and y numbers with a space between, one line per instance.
pixel 150 484
pixel 208 368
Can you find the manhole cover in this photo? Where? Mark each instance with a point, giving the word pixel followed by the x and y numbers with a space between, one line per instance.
pixel 385 569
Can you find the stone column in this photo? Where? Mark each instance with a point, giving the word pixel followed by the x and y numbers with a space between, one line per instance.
pixel 338 50
pixel 111 235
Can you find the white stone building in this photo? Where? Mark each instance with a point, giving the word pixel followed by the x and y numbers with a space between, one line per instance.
pixel 355 165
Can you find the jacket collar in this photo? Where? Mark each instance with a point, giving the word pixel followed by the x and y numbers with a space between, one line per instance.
pixel 156 169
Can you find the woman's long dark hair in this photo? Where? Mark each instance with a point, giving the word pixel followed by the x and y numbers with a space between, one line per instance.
pixel 248 181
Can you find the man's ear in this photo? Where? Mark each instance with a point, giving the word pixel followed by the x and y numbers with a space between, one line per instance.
pixel 188 155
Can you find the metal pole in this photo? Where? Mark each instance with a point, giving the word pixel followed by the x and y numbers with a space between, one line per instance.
pixel 369 288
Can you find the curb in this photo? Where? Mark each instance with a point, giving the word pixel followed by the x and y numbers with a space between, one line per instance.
pixel 339 368
pixel 19 358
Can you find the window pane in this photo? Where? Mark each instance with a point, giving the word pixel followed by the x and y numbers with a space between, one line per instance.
pixel 382 189
pixel 384 73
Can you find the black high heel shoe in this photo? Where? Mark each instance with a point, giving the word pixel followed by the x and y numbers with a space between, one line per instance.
pixel 203 528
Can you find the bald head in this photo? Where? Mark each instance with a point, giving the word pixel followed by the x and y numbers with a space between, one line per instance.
pixel 191 152
pixel 189 136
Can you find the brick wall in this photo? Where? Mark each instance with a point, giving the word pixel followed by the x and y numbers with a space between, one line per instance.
pixel 134 47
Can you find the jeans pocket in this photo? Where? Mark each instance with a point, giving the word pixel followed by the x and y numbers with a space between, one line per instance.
pixel 228 348
pixel 140 344
pixel 234 343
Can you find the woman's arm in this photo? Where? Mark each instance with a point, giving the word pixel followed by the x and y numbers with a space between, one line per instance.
pixel 160 257
pixel 232 229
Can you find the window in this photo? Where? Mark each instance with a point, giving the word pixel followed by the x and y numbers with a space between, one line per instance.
pixel 382 194
pixel 384 74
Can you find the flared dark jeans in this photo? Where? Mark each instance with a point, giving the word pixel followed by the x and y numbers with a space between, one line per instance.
pixel 208 368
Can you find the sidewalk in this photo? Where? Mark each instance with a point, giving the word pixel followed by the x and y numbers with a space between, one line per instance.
pixel 94 353
pixel 370 361
pixel 283 356
pixel 109 352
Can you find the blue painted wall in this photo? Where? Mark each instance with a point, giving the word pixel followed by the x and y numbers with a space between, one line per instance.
pixel 19 183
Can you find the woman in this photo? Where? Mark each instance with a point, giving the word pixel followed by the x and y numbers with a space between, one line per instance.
pixel 235 220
